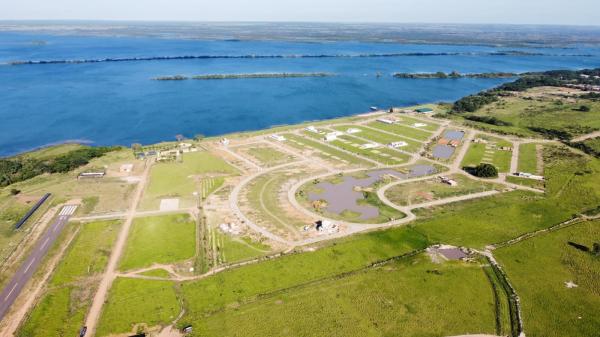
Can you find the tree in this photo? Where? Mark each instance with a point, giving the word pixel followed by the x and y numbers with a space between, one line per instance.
pixel 179 138
pixel 14 191
pixel 198 137
pixel 483 170
pixel 136 147
pixel 596 249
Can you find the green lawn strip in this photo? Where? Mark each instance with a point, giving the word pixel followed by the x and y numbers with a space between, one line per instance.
pixel 62 310
pixel 209 185
pixel 332 153
pixel 134 301
pixel 528 158
pixel 239 249
pixel 433 189
pixel 412 297
pixel 246 283
pixel 380 137
pixel 175 179
pixel 538 269
pixel 502 305
pixel 402 130
pixel 159 239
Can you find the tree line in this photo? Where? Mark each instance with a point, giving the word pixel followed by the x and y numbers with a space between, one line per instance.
pixel 21 168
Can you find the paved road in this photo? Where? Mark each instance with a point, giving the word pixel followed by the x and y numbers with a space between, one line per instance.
pixel 28 268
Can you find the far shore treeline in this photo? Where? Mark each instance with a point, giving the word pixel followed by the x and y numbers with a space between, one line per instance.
pixel 240 76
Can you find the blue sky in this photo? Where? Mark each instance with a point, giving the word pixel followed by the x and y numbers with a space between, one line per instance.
pixel 581 12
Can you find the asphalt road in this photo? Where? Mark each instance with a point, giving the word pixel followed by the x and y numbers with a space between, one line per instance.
pixel 28 268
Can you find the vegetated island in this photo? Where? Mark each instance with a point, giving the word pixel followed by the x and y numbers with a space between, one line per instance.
pixel 240 76
pixel 455 74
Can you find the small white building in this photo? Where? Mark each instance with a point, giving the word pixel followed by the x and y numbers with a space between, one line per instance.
pixel 353 130
pixel 386 120
pixel 326 226
pixel 331 136
pixel 419 125
pixel 278 138
pixel 230 228
pixel 224 141
pixel 449 181
pixel 312 129
pixel 396 145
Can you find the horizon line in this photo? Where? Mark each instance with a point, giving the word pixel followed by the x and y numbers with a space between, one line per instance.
pixel 297 22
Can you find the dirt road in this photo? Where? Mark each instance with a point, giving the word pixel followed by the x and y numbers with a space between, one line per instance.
pixel 110 273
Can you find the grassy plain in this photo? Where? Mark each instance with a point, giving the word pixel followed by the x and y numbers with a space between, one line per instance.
pixel 182 179
pixel 541 107
pixel 265 155
pixel 433 189
pixel 489 153
pixel 62 309
pixel 236 249
pixel 453 298
pixel 159 239
pixel 134 301
pixel 539 267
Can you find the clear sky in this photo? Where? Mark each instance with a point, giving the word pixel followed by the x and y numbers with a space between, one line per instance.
pixel 580 12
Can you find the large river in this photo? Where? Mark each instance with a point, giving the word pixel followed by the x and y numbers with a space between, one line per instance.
pixel 119 103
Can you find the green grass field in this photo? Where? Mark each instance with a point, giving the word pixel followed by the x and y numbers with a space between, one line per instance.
pixel 547 111
pixel 402 130
pixel 248 282
pixel 181 180
pixel 380 137
pixel 326 152
pixel 62 309
pixel 434 189
pixel 402 298
pixel 489 153
pixel 159 239
pixel 265 155
pixel 538 269
pixel 236 249
pixel 135 301
pixel 528 158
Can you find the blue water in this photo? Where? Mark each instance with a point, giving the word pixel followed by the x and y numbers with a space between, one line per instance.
pixel 118 103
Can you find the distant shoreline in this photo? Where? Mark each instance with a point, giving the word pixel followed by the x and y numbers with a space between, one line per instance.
pixel 240 76
pixel 454 75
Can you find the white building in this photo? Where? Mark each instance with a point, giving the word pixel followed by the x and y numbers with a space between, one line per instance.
pixel 330 137
pixel 278 138
pixel 449 181
pixel 386 120
pixel 312 129
pixel 225 141
pixel 419 125
pixel 396 145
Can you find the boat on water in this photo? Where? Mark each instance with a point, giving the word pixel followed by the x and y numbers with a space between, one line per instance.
pixel 374 108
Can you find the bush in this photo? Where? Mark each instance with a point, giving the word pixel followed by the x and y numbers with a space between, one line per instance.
pixel 584 108
pixel 14 191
